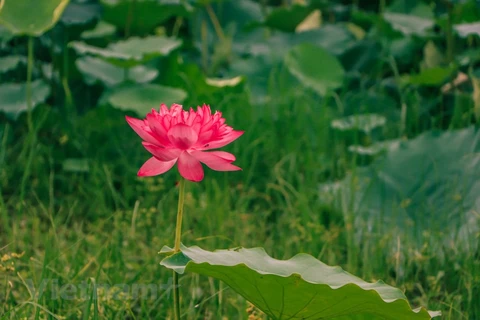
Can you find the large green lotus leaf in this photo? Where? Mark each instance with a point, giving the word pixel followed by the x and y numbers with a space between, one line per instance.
pixel 299 288
pixel 409 24
pixel 13 97
pixel 130 52
pixel 142 98
pixel 143 15
pixel 96 69
pixel 428 184
pixel 31 17
pixel 315 68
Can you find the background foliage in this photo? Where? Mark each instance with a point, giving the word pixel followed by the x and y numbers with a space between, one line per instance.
pixel 361 146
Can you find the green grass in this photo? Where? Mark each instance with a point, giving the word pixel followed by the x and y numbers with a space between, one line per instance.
pixel 107 226
pixel 104 227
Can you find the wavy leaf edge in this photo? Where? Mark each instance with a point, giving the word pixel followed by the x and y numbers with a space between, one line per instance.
pixel 181 270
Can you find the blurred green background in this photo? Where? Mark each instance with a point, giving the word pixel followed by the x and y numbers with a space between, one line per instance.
pixel 361 147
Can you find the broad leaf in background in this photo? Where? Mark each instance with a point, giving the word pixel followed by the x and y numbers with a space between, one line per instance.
pixel 362 122
pixel 430 77
pixel 257 71
pixel 31 17
pixel 311 22
pixel 300 288
pixel 233 17
pixel 315 68
pixel 142 98
pixel 12 97
pixel 142 16
pixel 287 18
pixel 368 102
pixel 190 78
pixel 403 50
pixel 466 29
pixel 428 184
pixel 362 57
pixel 220 83
pixel 467 57
pixel 374 149
pixel 264 54
pixel 130 52
pixel 81 13
pixel 11 62
pixel 5 35
pixel 333 38
pixel 411 7
pixel 409 24
pixel 102 30
pixel 96 69
pixel 237 15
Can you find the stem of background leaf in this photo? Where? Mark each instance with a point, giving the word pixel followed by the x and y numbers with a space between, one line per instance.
pixel 66 88
pixel 128 24
pixel 31 130
pixel 178 21
pixel 178 235
pixel 216 24
pixel 449 33
pixel 381 20
pixel 176 26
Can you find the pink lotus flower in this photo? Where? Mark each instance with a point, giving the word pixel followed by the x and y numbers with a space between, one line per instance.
pixel 178 136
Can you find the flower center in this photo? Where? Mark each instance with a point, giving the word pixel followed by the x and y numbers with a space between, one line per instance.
pixel 182 136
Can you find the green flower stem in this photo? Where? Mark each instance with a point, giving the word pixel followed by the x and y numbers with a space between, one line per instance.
pixel 176 296
pixel 178 235
pixel 181 199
